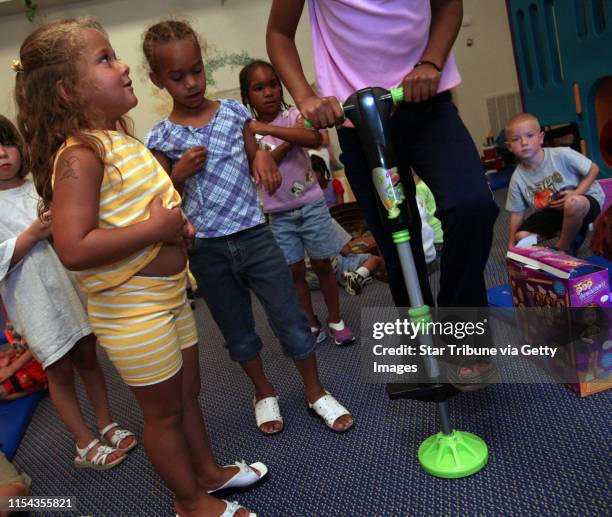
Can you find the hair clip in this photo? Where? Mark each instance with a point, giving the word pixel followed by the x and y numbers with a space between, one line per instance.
pixel 17 66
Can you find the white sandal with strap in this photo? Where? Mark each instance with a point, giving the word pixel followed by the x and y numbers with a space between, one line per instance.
pixel 100 459
pixel 246 476
pixel 329 409
pixel 267 410
pixel 231 508
pixel 117 437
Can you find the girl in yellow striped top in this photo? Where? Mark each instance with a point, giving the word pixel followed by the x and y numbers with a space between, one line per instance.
pixel 117 222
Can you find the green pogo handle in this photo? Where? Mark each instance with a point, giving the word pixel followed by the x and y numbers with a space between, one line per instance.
pixel 396 95
pixel 308 124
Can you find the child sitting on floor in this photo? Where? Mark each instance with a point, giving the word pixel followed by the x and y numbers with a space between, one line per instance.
pixel 12 484
pixel 354 270
pixel 332 188
pixel 427 209
pixel 558 182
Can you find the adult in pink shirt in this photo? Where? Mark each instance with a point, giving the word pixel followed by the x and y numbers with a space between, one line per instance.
pixel 359 43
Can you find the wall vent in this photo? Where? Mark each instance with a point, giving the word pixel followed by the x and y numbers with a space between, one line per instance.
pixel 501 108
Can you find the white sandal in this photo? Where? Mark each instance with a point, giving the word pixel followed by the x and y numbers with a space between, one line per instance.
pixel 117 437
pixel 329 409
pixel 267 410
pixel 99 461
pixel 231 508
pixel 246 476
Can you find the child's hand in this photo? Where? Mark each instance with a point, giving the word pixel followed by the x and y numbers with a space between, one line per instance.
pixel 258 128
pixel 191 162
pixel 40 228
pixel 168 222
pixel 266 172
pixel 558 200
pixel 188 234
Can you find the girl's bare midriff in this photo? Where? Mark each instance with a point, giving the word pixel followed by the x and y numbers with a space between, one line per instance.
pixel 171 259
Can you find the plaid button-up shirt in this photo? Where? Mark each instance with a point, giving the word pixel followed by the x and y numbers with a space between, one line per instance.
pixel 221 199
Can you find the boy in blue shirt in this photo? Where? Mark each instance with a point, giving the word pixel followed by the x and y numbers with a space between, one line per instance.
pixel 558 182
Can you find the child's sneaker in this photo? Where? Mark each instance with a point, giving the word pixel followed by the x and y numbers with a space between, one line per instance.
pixel 318 331
pixel 353 282
pixel 341 333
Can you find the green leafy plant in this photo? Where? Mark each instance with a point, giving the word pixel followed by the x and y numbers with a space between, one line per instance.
pixel 232 60
pixel 30 8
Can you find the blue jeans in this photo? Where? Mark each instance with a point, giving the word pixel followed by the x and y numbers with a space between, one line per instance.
pixel 430 137
pixel 227 269
pixel 308 227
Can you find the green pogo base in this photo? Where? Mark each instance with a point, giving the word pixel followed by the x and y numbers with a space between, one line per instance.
pixel 456 455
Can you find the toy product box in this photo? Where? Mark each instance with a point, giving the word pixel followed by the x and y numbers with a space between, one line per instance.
pixel 574 295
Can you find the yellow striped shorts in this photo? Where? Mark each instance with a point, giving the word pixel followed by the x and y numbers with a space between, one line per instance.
pixel 143 325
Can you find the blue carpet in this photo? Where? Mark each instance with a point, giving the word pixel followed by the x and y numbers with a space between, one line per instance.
pixel 549 449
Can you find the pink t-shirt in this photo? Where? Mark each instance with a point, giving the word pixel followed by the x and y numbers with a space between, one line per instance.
pixel 360 43
pixel 300 186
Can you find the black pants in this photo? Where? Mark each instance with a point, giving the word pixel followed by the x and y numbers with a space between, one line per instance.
pixel 431 138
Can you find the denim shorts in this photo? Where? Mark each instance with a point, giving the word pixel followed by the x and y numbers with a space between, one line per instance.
pixel 350 263
pixel 227 269
pixel 307 228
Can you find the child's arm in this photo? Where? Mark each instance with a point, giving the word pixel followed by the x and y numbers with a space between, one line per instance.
pixel 15 366
pixel 296 135
pixel 339 190
pixel 37 231
pixel 191 162
pixel 262 163
pixel 79 242
pixel 516 218
pixel 581 188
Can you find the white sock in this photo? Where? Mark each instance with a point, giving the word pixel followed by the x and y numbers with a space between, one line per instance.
pixel 336 326
pixel 363 271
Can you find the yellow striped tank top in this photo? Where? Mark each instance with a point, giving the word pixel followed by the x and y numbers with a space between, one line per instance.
pixel 132 179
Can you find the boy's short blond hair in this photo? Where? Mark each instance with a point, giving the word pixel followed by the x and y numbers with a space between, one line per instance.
pixel 521 117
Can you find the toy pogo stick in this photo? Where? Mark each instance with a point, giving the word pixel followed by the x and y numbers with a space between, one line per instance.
pixel 449 453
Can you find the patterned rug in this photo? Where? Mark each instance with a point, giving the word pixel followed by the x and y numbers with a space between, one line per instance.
pixel 549 450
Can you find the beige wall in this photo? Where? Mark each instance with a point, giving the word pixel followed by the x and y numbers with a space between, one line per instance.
pixel 487 67
pixel 237 25
pixel 231 26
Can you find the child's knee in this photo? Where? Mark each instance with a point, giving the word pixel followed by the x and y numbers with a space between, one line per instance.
pixel 322 266
pixel 522 234
pixel 167 412
pixel 576 206
pixel 85 360
pixel 60 372
pixel 375 261
pixel 167 418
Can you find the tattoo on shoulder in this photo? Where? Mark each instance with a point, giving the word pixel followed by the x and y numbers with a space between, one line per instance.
pixel 68 168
